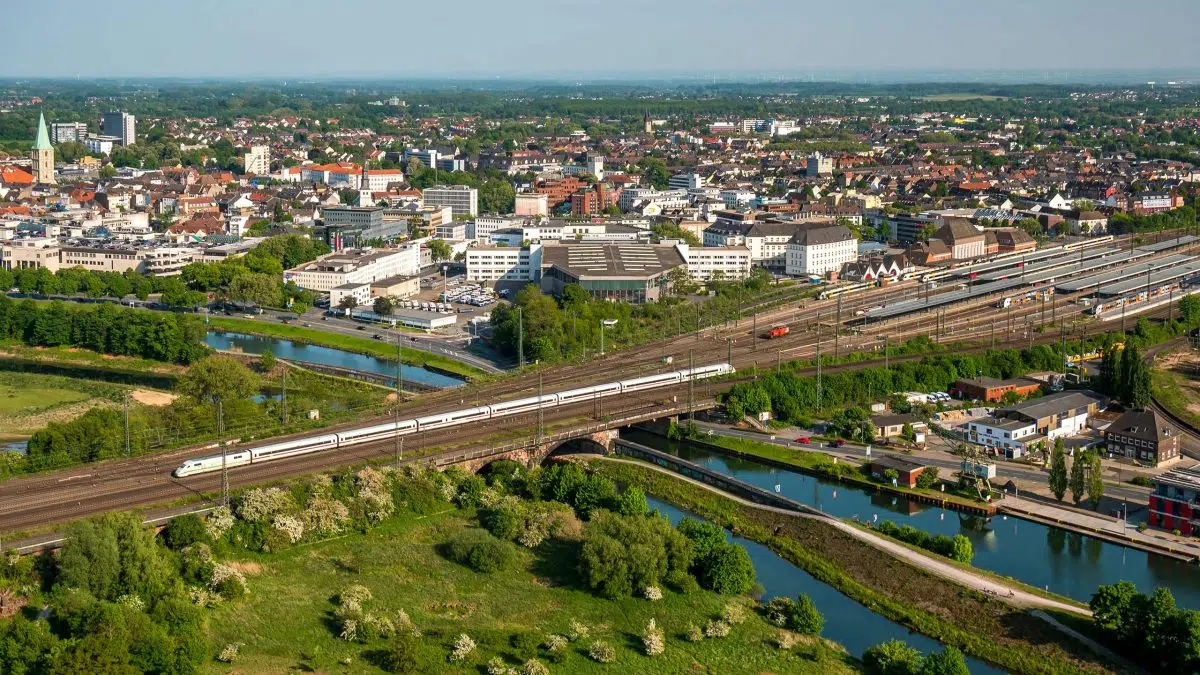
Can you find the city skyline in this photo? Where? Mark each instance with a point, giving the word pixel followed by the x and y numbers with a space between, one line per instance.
pixel 618 40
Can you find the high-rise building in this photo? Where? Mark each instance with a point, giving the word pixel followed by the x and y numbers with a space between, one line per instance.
pixel 258 160
pixel 818 165
pixel 42 155
pixel 120 124
pixel 63 132
pixel 462 200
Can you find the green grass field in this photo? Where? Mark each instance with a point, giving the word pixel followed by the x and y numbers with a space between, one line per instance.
pixel 377 348
pixel 286 623
pixel 28 401
pixel 1177 393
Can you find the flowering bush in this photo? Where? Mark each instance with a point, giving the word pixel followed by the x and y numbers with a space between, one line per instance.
pixel 602 652
pixel 229 653
pixel 325 516
pixel 715 629
pixel 497 666
pixel 464 646
pixel 734 613
pixel 261 504
pixel 219 522
pixel 694 634
pixel 290 525
pixel 534 667
pixel 652 593
pixel 373 490
pixel 653 639
pixel 786 639
pixel 556 644
pixel 132 602
pixel 355 594
pixel 203 597
pixel 577 631
pixel 228 581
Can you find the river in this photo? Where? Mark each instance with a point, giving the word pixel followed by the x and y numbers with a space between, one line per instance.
pixel 1064 562
pixel 846 622
pixel 287 349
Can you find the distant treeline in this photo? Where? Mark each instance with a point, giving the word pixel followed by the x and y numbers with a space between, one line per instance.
pixel 109 329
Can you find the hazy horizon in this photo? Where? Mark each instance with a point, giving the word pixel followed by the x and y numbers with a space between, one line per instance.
pixel 926 40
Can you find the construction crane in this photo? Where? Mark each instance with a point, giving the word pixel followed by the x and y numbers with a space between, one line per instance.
pixel 976 471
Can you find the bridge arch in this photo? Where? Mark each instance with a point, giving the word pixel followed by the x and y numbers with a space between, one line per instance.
pixel 574 446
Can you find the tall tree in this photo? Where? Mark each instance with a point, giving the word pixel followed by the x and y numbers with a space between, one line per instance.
pixel 1111 371
pixel 1078 476
pixel 1058 470
pixel 218 378
pixel 1095 486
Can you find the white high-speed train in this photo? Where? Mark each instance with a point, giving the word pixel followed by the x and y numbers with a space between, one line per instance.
pixel 303 446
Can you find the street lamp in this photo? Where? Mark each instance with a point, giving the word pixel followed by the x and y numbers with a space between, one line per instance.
pixel 605 323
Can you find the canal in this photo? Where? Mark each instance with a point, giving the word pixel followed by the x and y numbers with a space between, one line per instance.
pixel 287 349
pixel 1061 561
pixel 852 625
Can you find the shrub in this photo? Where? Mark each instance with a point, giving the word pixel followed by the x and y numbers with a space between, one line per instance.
pixel 464 646
pixel 949 661
pixel 653 639
pixel 786 639
pixel 602 652
pixel 632 502
pixel 577 631
pixel 733 613
pixel 652 593
pixel 229 653
pixel 806 619
pixel 525 644
pixel 622 553
pixel 595 492
pixel 479 550
pixel 355 594
pixel 1142 481
pixel 505 522
pixel 961 549
pixel 716 629
pixel 779 610
pixel 534 667
pixel 218 522
pixel 470 492
pixel 260 504
pixel 401 654
pixel 728 570
pixel 497 666
pixel 184 531
pixel 556 643
pixel 693 633
pixel 893 657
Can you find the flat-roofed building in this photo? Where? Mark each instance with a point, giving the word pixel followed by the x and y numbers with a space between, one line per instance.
pixel 504 263
pixel 1175 502
pixel 630 273
pixel 396 287
pixel 356 267
pixel 462 200
pixel 726 262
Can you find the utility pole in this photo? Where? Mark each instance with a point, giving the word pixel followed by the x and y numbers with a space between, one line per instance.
pixel 538 440
pixel 283 396
pixel 837 330
pixel 754 332
pixel 396 409
pixel 521 338
pixel 887 339
pixel 818 365
pixel 993 323
pixel 126 423
pixel 224 458
pixel 692 387
pixel 729 351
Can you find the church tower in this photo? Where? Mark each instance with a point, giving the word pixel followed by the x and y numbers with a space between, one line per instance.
pixel 647 123
pixel 364 187
pixel 42 155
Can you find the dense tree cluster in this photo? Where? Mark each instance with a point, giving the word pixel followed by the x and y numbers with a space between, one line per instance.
pixel 1125 376
pixel 1150 629
pixel 622 555
pixel 894 657
pixel 109 329
pixel 957 548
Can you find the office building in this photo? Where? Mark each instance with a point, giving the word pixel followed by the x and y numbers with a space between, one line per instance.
pixel 504 263
pixel 65 132
pixel 354 226
pixel 725 262
pixel 686 181
pixel 120 124
pixel 1175 502
pixel 357 267
pixel 532 204
pixel 462 200
pixel 258 160
pixel 42 155
pixel 817 249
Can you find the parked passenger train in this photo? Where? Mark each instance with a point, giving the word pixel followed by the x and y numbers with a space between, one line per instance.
pixel 302 446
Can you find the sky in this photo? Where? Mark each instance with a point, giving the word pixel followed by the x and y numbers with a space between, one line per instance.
pixel 565 39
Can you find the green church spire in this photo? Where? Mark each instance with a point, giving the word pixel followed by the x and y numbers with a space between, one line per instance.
pixel 43 138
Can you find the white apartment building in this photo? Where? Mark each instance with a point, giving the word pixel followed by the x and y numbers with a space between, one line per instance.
pixel 686 181
pixel 355 266
pixel 486 225
pixel 258 160
pixel 736 199
pixel 62 132
pixel 453 230
pixel 668 198
pixel 463 200
pixel 504 263
pixel 1009 436
pixel 733 262
pixel 100 145
pixel 359 291
pixel 819 165
pixel 819 248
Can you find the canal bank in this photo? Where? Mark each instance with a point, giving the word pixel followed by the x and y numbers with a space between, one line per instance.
pixel 1067 563
pixel 1010 638
pixel 331 358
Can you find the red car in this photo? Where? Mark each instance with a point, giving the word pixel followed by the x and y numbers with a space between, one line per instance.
pixel 804 440
pixel 838 443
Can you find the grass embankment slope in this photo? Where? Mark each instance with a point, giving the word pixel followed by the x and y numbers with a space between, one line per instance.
pixel 382 349
pixel 286 623
pixel 1176 386
pixel 983 627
